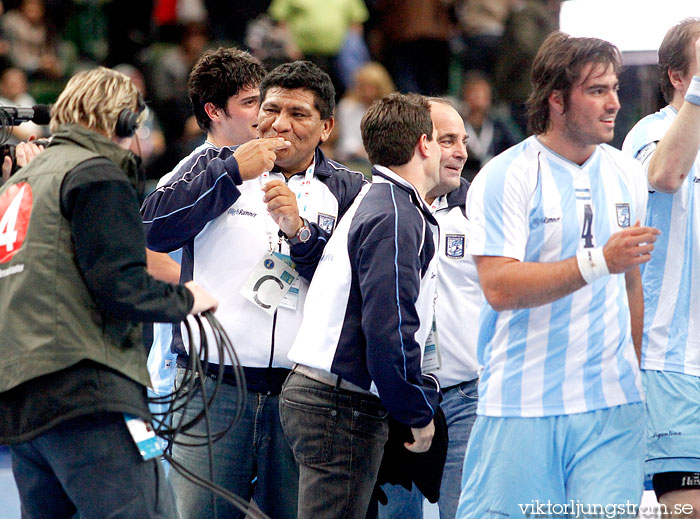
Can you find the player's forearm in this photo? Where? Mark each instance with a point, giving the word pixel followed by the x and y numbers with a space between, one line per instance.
pixel 163 267
pixel 676 152
pixel 509 284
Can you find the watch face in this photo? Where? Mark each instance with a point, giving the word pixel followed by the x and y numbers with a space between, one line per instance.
pixel 304 234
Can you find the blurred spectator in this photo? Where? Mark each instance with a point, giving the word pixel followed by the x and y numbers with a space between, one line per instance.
pixel 169 69
pixel 191 11
pixel 174 12
pixel 270 43
pixel 527 26
pixel 4 44
pixel 228 21
pixel 86 30
pixel 319 29
pixel 149 143
pixel 482 23
pixel 353 54
pixel 488 133
pixel 130 29
pixel 13 92
pixel 415 45
pixel 33 43
pixel 372 82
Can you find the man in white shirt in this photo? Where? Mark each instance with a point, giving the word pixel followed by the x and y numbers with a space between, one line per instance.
pixel 557 244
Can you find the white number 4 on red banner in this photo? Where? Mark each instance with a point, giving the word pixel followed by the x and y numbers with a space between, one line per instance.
pixel 15 209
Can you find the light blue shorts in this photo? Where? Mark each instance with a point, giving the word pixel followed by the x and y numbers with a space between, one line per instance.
pixel 673 422
pixel 564 466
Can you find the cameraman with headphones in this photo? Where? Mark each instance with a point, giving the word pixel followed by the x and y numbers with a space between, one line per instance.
pixel 74 283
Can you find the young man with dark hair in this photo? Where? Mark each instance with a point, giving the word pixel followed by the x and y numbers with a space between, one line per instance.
pixel 238 213
pixel 451 351
pixel 367 315
pixel 555 235
pixel 226 79
pixel 223 90
pixel 74 285
pixel 667 144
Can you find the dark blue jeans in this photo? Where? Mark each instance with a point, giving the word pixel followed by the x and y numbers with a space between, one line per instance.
pixel 338 439
pixel 90 467
pixel 253 460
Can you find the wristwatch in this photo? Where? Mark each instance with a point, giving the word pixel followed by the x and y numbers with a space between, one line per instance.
pixel 302 235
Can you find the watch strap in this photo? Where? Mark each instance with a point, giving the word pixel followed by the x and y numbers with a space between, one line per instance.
pixel 303 234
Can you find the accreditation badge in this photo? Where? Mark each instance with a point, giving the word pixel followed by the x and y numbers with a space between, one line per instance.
pixel 269 283
pixel 431 352
pixel 291 298
pixel 148 444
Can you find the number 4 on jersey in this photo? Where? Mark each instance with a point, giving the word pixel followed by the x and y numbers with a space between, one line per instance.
pixel 15 208
pixel 587 233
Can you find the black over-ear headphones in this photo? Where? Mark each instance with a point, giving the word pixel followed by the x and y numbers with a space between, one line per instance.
pixel 127 122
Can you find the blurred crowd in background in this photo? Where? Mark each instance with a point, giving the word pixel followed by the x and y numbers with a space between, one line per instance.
pixel 477 52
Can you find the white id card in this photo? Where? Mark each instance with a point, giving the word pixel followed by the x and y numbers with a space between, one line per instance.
pixel 291 298
pixel 431 352
pixel 269 282
pixel 148 444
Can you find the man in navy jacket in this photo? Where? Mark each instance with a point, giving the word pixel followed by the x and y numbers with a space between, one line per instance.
pixel 367 315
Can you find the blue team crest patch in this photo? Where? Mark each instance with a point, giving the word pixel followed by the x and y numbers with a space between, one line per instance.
pixel 326 222
pixel 623 214
pixel 454 245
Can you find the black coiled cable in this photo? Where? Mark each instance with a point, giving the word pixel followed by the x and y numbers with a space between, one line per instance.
pixel 191 387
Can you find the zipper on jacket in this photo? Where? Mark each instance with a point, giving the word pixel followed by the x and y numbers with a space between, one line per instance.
pixel 274 326
pixel 274 316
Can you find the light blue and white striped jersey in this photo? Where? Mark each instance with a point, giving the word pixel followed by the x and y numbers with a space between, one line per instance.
pixel 671 330
pixel 575 354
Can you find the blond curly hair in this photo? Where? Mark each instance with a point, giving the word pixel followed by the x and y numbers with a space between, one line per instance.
pixel 94 98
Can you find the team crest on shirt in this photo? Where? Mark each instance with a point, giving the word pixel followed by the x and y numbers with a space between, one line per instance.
pixel 326 222
pixel 623 214
pixel 454 245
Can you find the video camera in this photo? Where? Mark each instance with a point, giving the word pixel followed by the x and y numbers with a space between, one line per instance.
pixel 14 116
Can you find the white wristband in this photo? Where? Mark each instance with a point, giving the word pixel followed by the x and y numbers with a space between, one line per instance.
pixel 693 93
pixel 591 263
